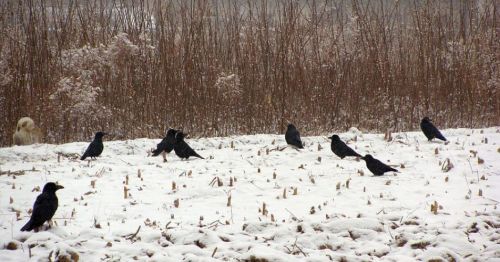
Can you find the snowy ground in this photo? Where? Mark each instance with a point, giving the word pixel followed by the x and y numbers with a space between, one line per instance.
pixel 334 210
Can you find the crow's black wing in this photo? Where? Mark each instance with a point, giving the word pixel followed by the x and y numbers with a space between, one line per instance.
pixel 193 153
pixel 438 134
pixel 188 151
pixel 347 150
pixel 160 147
pixel 95 149
pixel 431 131
pixel 427 129
pixel 43 210
pixel 169 145
pixel 383 167
pixel 292 137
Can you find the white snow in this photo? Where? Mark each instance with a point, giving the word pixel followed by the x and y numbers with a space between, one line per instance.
pixel 384 218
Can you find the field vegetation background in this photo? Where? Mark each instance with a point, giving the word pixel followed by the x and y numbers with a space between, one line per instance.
pixel 224 67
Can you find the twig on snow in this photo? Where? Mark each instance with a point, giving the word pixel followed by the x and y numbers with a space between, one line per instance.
pixel 132 236
pixel 293 216
pixel 253 183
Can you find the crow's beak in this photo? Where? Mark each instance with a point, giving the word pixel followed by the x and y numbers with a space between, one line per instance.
pixel 59 187
pixel 330 137
pixel 363 158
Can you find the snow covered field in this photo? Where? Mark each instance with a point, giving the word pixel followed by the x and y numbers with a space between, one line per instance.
pixel 282 205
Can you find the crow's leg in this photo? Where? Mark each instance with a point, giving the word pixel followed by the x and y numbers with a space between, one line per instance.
pixel 164 154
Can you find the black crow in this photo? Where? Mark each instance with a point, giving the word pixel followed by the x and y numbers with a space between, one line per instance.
pixel 376 167
pixel 340 148
pixel 95 148
pixel 166 144
pixel 44 208
pixel 292 136
pixel 182 149
pixel 430 131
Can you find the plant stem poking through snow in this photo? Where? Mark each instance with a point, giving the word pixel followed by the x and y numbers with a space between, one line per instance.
pixel 133 236
pixel 434 207
pixel 447 165
pixel 388 135
pixel 264 209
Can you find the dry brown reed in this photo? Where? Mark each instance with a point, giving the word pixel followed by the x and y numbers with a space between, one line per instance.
pixel 223 67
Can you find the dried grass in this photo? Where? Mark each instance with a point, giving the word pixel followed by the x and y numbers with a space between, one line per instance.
pixel 243 67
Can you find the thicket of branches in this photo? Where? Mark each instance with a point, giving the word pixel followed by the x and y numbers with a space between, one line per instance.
pixel 223 67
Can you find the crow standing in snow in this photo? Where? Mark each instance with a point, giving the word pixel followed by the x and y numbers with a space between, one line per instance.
pixel 430 131
pixel 95 148
pixel 376 167
pixel 292 136
pixel 166 144
pixel 340 148
pixel 44 208
pixel 182 149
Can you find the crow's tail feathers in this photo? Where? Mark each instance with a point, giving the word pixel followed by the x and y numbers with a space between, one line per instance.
pixel 196 155
pixel 297 145
pixel 440 136
pixel 83 157
pixel 27 227
pixel 156 152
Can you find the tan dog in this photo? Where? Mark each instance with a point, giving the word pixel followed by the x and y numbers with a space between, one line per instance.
pixel 26 132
